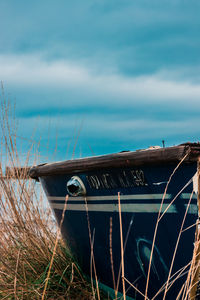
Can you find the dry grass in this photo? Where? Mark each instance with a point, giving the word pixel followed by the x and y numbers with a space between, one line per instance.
pixel 31 248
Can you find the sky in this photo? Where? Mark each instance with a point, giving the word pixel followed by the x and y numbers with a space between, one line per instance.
pixel 100 76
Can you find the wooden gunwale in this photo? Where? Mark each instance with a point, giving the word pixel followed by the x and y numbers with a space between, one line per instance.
pixel 122 159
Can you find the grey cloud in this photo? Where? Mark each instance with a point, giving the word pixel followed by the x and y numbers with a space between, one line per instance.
pixel 135 37
pixel 116 134
pixel 129 69
pixel 35 72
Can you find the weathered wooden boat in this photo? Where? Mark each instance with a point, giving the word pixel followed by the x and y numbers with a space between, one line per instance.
pixel 150 187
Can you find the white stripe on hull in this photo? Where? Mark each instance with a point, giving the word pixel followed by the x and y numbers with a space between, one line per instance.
pixel 114 197
pixel 132 208
pixel 188 195
pixel 123 197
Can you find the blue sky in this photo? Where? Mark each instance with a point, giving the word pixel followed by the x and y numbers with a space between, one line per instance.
pixel 116 75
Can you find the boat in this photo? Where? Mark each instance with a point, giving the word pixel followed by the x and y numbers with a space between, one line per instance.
pixel 129 218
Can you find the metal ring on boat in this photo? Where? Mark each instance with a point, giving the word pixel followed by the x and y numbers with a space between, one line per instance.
pixel 76 187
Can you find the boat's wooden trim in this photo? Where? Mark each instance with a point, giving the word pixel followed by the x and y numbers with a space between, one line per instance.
pixel 123 159
pixel 17 173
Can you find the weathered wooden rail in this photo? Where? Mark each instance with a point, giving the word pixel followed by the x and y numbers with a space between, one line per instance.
pixel 123 159
pixel 17 173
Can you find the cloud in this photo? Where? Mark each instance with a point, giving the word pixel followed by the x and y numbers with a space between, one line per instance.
pixel 114 111
pixel 112 127
pixel 33 71
pixel 135 37
pixel 128 69
pixel 105 135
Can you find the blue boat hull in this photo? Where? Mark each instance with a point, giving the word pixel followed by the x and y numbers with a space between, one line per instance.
pixel 96 217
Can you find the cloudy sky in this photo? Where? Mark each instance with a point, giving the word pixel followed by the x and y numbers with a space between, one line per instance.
pixel 101 76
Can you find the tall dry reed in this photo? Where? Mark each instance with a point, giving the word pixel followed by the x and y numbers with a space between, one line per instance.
pixel 34 260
